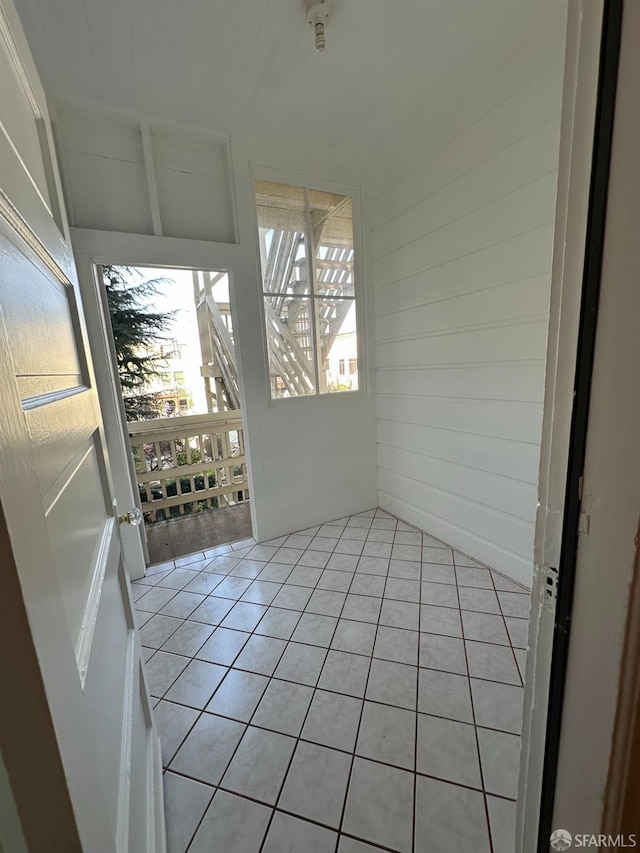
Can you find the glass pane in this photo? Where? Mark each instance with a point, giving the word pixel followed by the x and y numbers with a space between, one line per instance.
pixel 290 340
pixel 337 345
pixel 332 223
pixel 282 230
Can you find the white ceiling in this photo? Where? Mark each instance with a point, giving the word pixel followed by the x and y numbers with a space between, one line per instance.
pixel 249 66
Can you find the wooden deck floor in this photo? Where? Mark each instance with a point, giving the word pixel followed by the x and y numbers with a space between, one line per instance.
pixel 179 536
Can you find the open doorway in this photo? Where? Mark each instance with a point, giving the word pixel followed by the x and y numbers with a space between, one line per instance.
pixel 175 354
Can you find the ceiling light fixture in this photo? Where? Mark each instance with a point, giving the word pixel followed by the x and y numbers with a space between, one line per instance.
pixel 318 14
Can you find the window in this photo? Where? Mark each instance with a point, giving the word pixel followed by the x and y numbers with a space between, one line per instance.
pixel 166 378
pixel 353 366
pixel 178 377
pixel 308 289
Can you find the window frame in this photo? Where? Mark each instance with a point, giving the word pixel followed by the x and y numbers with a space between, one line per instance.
pixel 258 173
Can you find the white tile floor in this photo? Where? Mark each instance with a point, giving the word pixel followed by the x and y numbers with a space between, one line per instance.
pixel 350 688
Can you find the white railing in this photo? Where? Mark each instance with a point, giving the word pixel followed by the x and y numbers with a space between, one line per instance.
pixel 186 464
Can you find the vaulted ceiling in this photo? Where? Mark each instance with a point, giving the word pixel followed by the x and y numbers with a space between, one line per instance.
pixel 249 66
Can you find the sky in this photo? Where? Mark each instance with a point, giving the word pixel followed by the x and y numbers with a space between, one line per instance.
pixel 175 294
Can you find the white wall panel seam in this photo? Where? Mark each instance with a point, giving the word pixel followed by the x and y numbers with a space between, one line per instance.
pixel 474 251
pixel 457 294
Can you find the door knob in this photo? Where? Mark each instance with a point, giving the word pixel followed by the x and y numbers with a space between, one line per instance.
pixel 134 517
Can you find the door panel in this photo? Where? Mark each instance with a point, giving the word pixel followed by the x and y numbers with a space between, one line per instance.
pixel 139 825
pixel 76 547
pixel 109 688
pixel 23 204
pixel 21 126
pixel 57 500
pixel 39 304
pixel 57 431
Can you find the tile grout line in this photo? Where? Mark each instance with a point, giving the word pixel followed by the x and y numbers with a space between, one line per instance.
pixel 415 746
pixel 299 736
pixel 282 811
pixel 364 699
pixel 185 775
pixel 203 710
pixel 316 645
pixel 247 725
pixel 315 687
pixel 475 725
pixel 158 584
pixel 348 696
pixel 506 628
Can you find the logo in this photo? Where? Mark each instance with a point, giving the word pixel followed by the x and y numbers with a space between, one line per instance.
pixel 561 839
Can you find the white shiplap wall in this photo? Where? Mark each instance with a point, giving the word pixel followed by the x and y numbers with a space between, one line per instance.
pixel 462 248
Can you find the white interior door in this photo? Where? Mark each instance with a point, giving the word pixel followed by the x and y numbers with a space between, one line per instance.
pixel 62 552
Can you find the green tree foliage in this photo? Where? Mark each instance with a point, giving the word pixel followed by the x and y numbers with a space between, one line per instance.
pixel 136 331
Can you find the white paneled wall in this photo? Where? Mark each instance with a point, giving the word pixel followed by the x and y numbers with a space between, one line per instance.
pixel 462 248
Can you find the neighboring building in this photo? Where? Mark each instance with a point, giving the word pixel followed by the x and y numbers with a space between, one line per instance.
pixel 343 362
pixel 179 385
